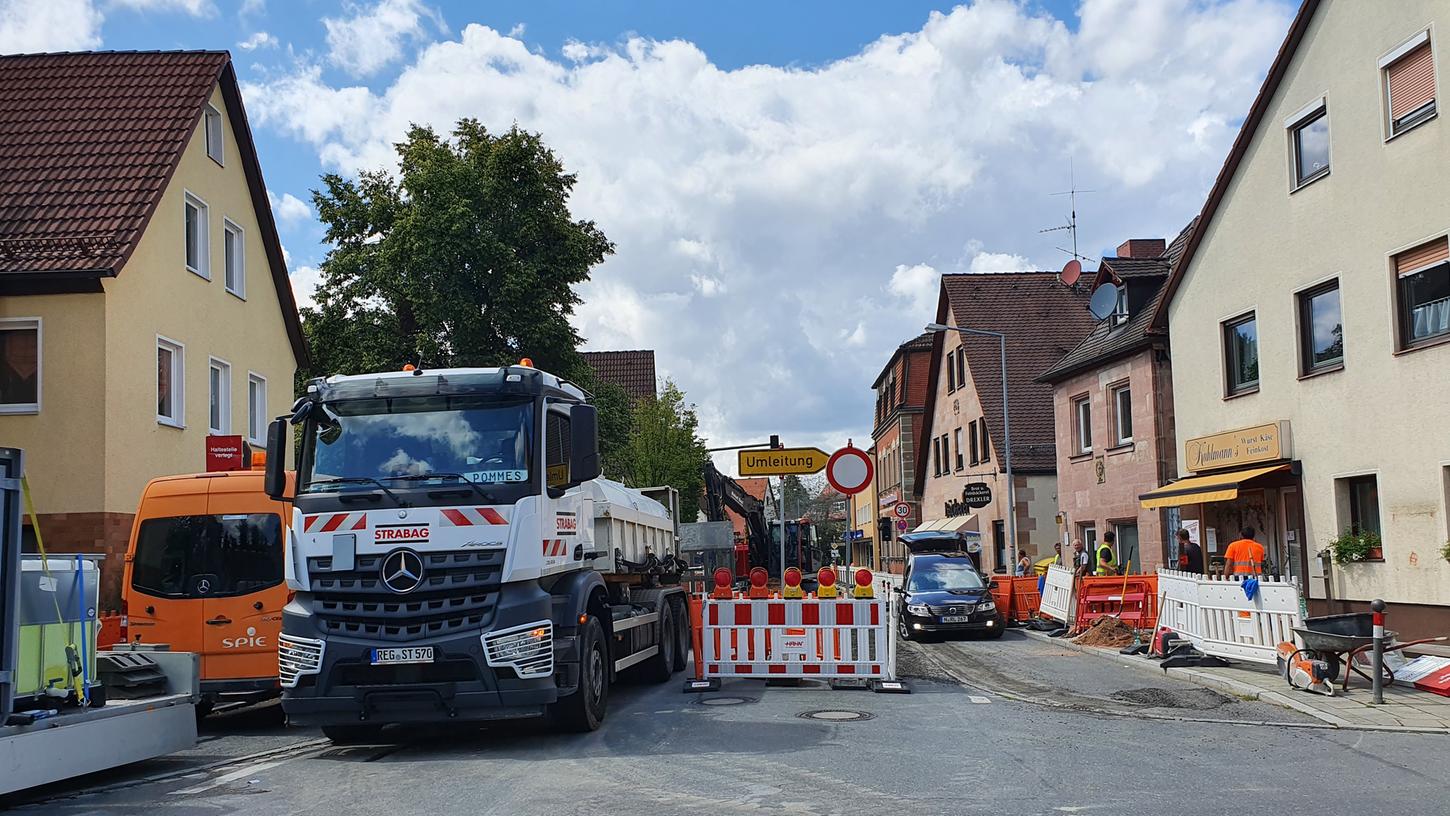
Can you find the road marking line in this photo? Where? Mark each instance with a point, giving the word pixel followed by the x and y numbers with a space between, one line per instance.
pixel 229 777
pixel 979 699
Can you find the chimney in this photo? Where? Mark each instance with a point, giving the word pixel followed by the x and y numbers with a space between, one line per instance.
pixel 1142 248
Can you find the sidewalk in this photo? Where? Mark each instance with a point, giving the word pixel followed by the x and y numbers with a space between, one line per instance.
pixel 1405 708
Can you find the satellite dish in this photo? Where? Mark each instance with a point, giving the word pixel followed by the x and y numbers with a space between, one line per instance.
pixel 1071 272
pixel 1104 301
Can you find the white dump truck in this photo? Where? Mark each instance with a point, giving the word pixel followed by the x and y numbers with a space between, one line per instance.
pixel 456 557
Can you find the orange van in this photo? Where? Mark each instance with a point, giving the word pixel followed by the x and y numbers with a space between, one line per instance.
pixel 204 574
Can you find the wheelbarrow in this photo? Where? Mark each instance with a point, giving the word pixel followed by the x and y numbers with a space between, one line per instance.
pixel 1342 638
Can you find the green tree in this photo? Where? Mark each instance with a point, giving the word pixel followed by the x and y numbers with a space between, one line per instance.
pixel 465 256
pixel 664 448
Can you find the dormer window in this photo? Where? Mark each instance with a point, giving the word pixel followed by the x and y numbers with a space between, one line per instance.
pixel 1120 311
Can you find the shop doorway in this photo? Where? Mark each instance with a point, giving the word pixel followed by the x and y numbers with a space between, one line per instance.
pixel 1296 566
pixel 1129 557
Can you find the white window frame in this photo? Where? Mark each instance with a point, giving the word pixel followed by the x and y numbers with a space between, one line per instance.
pixel 212 126
pixel 223 398
pixel 203 238
pixel 239 242
pixel 1393 56
pixel 1083 424
pixel 1317 109
pixel 257 419
pixel 13 323
pixel 1115 394
pixel 178 382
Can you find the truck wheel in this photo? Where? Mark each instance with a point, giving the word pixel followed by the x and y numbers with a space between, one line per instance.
pixel 683 639
pixel 352 734
pixel 661 666
pixel 584 709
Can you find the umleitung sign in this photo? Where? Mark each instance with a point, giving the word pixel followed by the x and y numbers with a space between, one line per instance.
pixel 1245 446
pixel 783 461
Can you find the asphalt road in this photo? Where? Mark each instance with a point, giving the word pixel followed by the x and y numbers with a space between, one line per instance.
pixel 945 749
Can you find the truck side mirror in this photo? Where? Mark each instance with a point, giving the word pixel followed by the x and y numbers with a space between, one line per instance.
pixel 583 443
pixel 274 481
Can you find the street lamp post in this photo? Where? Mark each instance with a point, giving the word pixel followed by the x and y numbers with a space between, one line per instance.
pixel 1006 431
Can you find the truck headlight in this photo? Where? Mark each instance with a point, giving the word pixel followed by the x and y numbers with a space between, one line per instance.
pixel 918 609
pixel 527 649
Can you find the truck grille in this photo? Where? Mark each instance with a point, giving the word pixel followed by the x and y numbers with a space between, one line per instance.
pixel 459 591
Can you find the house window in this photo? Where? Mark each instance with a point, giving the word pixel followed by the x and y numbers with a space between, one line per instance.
pixel 1241 354
pixel 232 249
pixel 972 435
pixel 957 437
pixel 219 393
pixel 197 248
pixel 1122 402
pixel 1363 498
pixel 1126 551
pixel 1423 289
pixel 1309 138
pixel 214 134
pixel 986 446
pixel 1120 309
pixel 961 367
pixel 20 366
pixel 951 372
pixel 1321 333
pixel 936 457
pixel 1082 420
pixel 256 408
pixel 170 379
pixel 1409 82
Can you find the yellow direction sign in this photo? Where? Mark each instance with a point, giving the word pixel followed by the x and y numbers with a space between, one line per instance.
pixel 783 461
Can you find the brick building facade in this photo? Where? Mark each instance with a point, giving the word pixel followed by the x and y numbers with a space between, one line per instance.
pixel 898 429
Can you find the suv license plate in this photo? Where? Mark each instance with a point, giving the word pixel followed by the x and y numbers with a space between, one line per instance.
pixel 403 654
pixel 945 619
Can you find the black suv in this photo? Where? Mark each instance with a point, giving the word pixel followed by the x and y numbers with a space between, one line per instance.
pixel 943 592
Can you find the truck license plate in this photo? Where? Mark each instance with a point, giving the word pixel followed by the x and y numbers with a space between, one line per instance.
pixel 403 654
pixel 949 619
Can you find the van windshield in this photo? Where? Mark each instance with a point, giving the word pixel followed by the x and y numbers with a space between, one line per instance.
pixel 208 556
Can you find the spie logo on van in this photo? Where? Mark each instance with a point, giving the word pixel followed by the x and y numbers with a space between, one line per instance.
pixel 252 639
pixel 392 533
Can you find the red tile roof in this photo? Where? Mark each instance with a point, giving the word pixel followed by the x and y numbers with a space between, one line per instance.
pixel 1042 319
pixel 634 371
pixel 88 144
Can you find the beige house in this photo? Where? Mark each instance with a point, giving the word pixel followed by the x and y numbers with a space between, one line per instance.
pixel 1310 316
pixel 144 301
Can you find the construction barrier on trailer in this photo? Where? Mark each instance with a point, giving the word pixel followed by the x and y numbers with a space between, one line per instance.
pixel 1218 617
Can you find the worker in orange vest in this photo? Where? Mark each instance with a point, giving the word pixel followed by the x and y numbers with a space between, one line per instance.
pixel 1244 557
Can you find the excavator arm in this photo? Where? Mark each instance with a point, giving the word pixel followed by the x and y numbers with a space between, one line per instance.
pixel 722 493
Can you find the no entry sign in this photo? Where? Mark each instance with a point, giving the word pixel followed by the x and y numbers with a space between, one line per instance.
pixel 849 470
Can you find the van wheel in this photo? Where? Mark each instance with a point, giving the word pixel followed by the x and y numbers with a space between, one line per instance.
pixel 683 635
pixel 352 734
pixel 659 667
pixel 584 710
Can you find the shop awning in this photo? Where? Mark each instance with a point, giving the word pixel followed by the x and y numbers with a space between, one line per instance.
pixel 1211 488
pixel 947 525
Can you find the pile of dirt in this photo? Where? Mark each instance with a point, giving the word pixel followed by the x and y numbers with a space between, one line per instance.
pixel 1109 632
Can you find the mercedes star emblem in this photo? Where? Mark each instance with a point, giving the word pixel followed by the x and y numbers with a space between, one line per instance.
pixel 402 571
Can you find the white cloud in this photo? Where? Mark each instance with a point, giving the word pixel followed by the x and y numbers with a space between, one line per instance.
pixel 517 31
pixel 304 285
pixel 261 39
pixel 250 7
pixel 288 208
pixel 817 204
pixel 372 37
pixel 32 26
pixel 196 8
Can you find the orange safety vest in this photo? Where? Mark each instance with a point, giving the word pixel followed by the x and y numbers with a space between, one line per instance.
pixel 1244 557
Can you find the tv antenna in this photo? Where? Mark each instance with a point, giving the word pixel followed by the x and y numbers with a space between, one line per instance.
pixel 1071 226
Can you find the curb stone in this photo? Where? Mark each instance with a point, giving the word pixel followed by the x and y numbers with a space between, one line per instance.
pixel 1234 687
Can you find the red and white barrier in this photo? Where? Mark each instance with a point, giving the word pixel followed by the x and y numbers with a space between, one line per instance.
pixel 834 638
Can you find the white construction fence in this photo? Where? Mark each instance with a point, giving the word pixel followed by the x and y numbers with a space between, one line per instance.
pixel 1218 617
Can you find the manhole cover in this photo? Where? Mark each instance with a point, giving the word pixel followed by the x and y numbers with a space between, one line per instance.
pixel 836 715
pixel 724 701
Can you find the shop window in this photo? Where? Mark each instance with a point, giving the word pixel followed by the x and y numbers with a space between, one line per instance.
pixel 1122 404
pixel 20 365
pixel 1409 82
pixel 170 382
pixel 1309 143
pixel 1082 420
pixel 1423 291
pixel 1241 354
pixel 1321 331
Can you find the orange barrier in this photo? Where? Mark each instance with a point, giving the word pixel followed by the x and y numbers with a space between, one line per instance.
pixel 1025 599
pixel 1132 598
pixel 1002 595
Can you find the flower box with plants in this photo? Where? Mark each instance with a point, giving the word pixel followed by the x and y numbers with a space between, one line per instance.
pixel 1353 547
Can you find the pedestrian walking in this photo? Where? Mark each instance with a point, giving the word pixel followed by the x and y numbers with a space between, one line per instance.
pixel 1190 555
pixel 1245 556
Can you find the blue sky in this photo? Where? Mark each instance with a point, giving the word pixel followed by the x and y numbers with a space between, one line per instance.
pixel 785 182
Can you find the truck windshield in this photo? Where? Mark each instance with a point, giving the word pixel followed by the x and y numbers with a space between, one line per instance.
pixel 412 441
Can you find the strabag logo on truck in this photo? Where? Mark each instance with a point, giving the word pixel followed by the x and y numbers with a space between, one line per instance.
pixel 470 517
pixel 387 533
pixel 566 524
pixel 329 522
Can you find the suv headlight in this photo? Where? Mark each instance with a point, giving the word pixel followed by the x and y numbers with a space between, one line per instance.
pixel 987 606
pixel 918 609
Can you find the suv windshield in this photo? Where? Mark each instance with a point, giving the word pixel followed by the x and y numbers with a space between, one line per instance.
pixel 944 576
pixel 419 440
pixel 208 556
